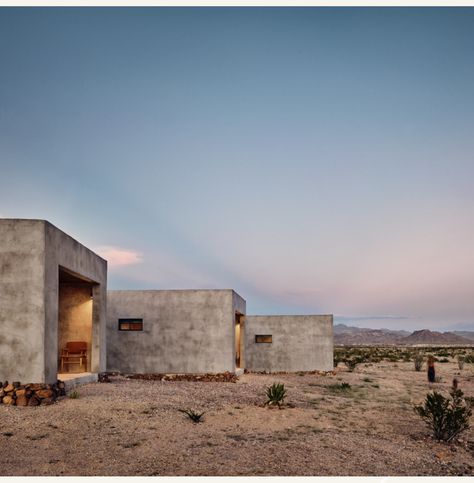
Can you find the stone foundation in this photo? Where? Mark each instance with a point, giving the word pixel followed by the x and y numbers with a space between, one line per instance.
pixel 220 377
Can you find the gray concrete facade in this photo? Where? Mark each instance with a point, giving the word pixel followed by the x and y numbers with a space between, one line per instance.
pixel 54 290
pixel 298 343
pixel 36 258
pixel 184 331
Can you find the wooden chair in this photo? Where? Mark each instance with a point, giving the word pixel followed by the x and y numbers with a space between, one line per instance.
pixel 74 353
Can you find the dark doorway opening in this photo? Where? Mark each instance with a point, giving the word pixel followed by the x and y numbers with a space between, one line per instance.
pixel 75 303
pixel 239 327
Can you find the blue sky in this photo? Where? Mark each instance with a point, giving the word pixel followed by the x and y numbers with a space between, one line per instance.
pixel 315 160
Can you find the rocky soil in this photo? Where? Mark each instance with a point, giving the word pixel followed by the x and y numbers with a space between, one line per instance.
pixel 133 427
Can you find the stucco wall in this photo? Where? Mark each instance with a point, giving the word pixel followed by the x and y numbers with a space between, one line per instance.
pixel 184 331
pixel 22 252
pixel 31 252
pixel 63 251
pixel 299 343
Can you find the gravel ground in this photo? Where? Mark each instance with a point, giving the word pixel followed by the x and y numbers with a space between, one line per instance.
pixel 133 427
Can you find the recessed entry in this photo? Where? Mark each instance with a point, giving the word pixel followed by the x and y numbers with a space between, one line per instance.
pixel 263 339
pixel 130 324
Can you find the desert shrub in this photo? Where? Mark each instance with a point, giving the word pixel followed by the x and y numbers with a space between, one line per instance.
pixel 276 394
pixel 194 416
pixel 444 359
pixel 461 362
pixel 406 356
pixel 469 359
pixel 353 362
pixel 438 379
pixel 446 416
pixel 342 387
pixel 418 362
pixel 74 395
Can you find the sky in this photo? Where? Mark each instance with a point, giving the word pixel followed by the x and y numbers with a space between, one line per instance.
pixel 315 160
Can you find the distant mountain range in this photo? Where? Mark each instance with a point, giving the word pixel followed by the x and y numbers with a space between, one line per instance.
pixel 346 335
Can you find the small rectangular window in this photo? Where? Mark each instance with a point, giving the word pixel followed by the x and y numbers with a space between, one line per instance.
pixel 263 339
pixel 130 324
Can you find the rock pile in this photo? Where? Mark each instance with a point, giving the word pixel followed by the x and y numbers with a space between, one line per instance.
pixel 103 377
pixel 220 377
pixel 17 394
pixel 300 373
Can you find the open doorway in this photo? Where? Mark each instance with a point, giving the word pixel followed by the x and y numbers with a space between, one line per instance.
pixel 75 301
pixel 239 321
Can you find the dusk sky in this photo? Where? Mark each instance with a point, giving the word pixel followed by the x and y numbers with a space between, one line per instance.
pixel 315 160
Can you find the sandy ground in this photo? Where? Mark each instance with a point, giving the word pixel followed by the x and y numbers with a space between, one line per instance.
pixel 132 427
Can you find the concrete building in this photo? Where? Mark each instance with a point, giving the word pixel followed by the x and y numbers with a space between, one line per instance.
pixel 289 343
pixel 52 290
pixel 198 331
pixel 53 293
pixel 174 331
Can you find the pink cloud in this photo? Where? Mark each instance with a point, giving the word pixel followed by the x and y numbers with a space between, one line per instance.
pixel 119 257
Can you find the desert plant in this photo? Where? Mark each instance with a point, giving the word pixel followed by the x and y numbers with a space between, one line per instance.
pixel 194 416
pixel 446 416
pixel 276 393
pixel 73 395
pixel 418 361
pixel 352 363
pixel 461 361
pixel 342 387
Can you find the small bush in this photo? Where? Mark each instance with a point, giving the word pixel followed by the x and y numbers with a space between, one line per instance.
pixel 194 416
pixel 353 362
pixel 418 362
pixel 276 394
pixel 342 387
pixel 438 379
pixel 447 417
pixel 130 444
pixel 73 395
pixel 461 361
pixel 444 360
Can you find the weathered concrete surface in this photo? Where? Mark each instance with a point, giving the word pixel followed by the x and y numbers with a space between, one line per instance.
pixel 73 380
pixel 22 252
pixel 63 251
pixel 184 331
pixel 31 252
pixel 299 343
